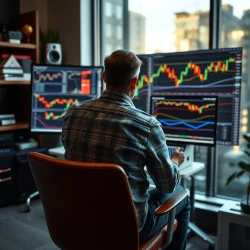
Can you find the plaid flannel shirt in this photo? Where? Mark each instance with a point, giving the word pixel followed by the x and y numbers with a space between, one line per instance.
pixel 110 129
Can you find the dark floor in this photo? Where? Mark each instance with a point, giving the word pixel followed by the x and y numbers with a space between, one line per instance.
pixel 28 231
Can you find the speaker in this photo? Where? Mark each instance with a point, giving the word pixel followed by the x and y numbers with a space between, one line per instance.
pixel 53 53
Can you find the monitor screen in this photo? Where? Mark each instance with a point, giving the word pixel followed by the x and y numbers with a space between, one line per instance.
pixel 215 72
pixel 55 88
pixel 186 119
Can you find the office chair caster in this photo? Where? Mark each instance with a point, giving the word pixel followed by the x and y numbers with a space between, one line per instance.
pixel 26 209
pixel 210 247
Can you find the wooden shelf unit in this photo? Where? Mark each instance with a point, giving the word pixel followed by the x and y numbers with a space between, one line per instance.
pixel 15 95
pixel 17 126
pixel 4 45
pixel 3 82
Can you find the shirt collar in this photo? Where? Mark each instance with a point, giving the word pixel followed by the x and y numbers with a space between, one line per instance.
pixel 117 96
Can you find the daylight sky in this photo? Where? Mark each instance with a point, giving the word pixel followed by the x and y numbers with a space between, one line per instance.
pixel 161 13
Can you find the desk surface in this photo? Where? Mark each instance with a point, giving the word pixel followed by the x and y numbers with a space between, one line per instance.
pixel 186 172
pixel 58 152
pixel 192 169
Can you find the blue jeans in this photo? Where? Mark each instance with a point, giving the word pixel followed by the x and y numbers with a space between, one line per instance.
pixel 153 223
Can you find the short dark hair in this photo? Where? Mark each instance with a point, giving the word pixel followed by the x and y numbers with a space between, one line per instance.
pixel 121 67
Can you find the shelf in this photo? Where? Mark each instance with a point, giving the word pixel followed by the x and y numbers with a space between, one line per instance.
pixel 17 126
pixel 17 45
pixel 3 82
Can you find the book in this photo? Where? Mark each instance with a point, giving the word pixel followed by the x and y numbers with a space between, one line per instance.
pixel 27 76
pixel 11 71
pixel 10 65
pixel 14 41
pixel 14 78
pixel 5 75
pixel 5 122
pixel 6 116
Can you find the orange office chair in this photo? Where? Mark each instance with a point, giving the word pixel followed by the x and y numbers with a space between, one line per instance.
pixel 89 206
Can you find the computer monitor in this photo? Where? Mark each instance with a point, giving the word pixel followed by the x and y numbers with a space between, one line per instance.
pixel 54 88
pixel 186 119
pixel 215 72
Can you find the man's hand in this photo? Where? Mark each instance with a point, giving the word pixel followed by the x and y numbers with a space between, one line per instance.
pixel 177 157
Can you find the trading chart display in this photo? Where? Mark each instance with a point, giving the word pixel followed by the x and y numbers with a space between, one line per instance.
pixel 205 72
pixel 56 88
pixel 143 87
pixel 187 119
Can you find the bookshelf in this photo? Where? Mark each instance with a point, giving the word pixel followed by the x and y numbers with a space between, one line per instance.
pixel 15 95
pixel 2 82
pixel 5 45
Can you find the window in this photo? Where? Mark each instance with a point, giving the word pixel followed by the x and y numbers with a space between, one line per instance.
pixel 108 28
pixel 112 26
pixel 108 9
pixel 157 26
pixel 119 32
pixel 118 12
pixel 235 27
pixel 167 26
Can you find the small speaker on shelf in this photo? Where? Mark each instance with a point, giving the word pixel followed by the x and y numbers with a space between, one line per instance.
pixel 53 53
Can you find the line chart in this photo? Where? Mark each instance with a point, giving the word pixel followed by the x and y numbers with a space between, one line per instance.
pixel 188 106
pixel 41 77
pixel 186 117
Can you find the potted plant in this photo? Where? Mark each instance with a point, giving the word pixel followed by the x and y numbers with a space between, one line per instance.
pixel 244 169
pixel 49 36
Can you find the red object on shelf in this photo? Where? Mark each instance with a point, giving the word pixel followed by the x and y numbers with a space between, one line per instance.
pixel 16 56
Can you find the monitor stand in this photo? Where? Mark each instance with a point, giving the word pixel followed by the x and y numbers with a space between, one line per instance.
pixel 189 156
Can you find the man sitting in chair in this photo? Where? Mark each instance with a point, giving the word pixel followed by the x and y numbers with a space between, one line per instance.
pixel 110 129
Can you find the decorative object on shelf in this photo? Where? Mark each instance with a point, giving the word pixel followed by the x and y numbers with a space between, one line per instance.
pixel 49 36
pixel 10 69
pixel 7 119
pixel 27 31
pixel 15 36
pixel 245 169
pixel 51 48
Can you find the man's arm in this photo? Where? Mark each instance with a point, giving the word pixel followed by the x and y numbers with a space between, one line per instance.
pixel 163 171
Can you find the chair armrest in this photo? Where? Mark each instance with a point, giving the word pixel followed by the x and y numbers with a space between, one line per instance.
pixel 171 203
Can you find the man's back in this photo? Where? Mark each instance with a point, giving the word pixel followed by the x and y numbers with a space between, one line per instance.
pixel 110 129
pixel 106 130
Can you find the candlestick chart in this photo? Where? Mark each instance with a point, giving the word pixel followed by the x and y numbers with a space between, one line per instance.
pixel 187 119
pixel 51 110
pixel 143 87
pixel 215 72
pixel 56 88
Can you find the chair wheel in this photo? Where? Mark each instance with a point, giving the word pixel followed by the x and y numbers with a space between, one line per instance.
pixel 26 209
pixel 210 247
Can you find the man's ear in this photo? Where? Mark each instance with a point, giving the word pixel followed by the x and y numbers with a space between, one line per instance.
pixel 133 83
pixel 104 76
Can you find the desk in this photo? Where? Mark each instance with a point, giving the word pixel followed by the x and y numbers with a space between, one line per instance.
pixel 190 172
pixel 233 228
pixel 57 152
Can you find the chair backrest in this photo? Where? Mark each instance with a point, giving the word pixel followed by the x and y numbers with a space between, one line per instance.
pixel 86 205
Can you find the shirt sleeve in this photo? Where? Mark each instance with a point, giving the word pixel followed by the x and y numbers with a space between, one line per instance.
pixel 160 167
